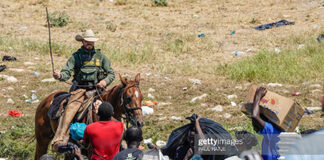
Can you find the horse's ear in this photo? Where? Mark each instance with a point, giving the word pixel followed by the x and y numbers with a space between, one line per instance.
pixel 138 78
pixel 123 81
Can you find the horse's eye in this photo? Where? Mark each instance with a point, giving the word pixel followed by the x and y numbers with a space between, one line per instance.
pixel 129 99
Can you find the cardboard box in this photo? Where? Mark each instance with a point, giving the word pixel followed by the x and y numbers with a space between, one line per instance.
pixel 282 111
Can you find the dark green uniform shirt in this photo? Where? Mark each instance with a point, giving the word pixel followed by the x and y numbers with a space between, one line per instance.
pixel 83 56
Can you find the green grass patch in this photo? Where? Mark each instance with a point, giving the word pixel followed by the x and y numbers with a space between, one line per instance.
pixel 291 65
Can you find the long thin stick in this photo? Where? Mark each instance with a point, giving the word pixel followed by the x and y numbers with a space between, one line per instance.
pixel 49 39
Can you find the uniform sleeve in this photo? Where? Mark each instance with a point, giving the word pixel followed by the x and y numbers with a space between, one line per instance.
pixel 110 72
pixel 67 70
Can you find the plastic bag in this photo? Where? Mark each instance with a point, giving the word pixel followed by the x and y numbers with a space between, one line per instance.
pixel 77 130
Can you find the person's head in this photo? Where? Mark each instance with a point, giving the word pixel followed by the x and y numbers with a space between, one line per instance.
pixel 47 157
pixel 247 140
pixel 133 136
pixel 88 45
pixel 105 111
pixel 88 39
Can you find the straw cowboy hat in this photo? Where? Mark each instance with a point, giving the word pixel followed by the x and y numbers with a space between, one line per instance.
pixel 87 35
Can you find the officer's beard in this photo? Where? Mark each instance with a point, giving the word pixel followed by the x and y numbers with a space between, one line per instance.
pixel 89 47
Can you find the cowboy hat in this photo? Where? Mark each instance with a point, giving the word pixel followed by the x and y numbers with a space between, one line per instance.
pixel 87 35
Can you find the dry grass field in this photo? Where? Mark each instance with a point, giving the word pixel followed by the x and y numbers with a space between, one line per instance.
pixel 161 42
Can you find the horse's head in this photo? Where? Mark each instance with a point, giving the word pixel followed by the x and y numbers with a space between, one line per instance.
pixel 131 101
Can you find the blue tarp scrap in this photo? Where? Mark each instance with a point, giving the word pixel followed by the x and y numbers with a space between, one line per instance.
pixel 276 24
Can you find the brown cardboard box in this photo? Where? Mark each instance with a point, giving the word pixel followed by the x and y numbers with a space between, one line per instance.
pixel 278 109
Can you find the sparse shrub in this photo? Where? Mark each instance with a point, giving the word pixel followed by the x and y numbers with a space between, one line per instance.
pixel 111 26
pixel 254 20
pixel 121 2
pixel 59 19
pixel 162 3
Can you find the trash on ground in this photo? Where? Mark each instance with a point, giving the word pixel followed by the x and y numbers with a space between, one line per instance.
pixel 185 88
pixel 277 50
pixel 175 118
pixel 249 50
pixel 150 96
pixel 9 58
pixel 314 108
pixel 238 53
pixel 36 74
pixel 274 85
pixel 10 101
pixel 164 103
pixel 227 115
pixel 306 83
pixel 16 69
pixel 203 104
pixel 29 63
pixel 233 104
pixel 194 81
pixel 201 35
pixel 233 32
pixel 198 98
pixel 151 90
pixel 2 67
pixel 160 143
pixel 14 113
pixel 301 46
pixel 148 74
pixel 296 94
pixel 150 103
pixel 147 110
pixel 320 38
pixel 275 24
pixel 196 16
pixel 232 96
pixel 34 98
pixel 48 80
pixel 146 141
pixel 217 108
pixel 238 87
pixel 315 26
pixel 9 78
pixel 166 78
pixel 308 111
pixel 10 88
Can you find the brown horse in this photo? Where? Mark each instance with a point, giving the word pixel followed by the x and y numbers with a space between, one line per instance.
pixel 126 98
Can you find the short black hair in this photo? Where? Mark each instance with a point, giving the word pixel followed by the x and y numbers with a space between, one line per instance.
pixel 248 139
pixel 105 111
pixel 134 134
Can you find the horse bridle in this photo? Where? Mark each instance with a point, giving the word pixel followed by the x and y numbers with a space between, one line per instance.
pixel 130 118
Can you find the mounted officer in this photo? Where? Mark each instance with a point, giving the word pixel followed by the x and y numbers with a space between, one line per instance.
pixel 92 70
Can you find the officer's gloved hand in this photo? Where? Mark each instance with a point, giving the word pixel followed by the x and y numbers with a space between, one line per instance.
pixel 102 84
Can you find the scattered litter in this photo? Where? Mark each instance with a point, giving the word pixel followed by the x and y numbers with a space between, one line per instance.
pixel 196 16
pixel 34 98
pixel 185 88
pixel 150 96
pixel 238 87
pixel 201 35
pixel 164 103
pixel 301 46
pixel 160 143
pixel 308 111
pixel 166 78
pixel 203 104
pixel 227 115
pixel 296 94
pixel 111 1
pixel 10 101
pixel 316 86
pixel 150 103
pixel 315 26
pixel 194 81
pixel 314 108
pixel 25 96
pixel 3 115
pixel 16 69
pixel 147 140
pixel 29 63
pixel 306 83
pixel 14 113
pixel 2 67
pixel 320 37
pixel 36 74
pixel 3 132
pixel 10 88
pixel 249 50
pixel 232 96
pixel 10 48
pixel 233 104
pixel 9 78
pixel 199 98
pixel 36 58
pixel 147 110
pixel 27 44
pixel 238 53
pixel 233 32
pixel 274 85
pixel 48 80
pixel 176 118
pixel 218 108
pixel 9 58
pixel 148 74
pixel 151 90
pixel 276 24
pixel 277 50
